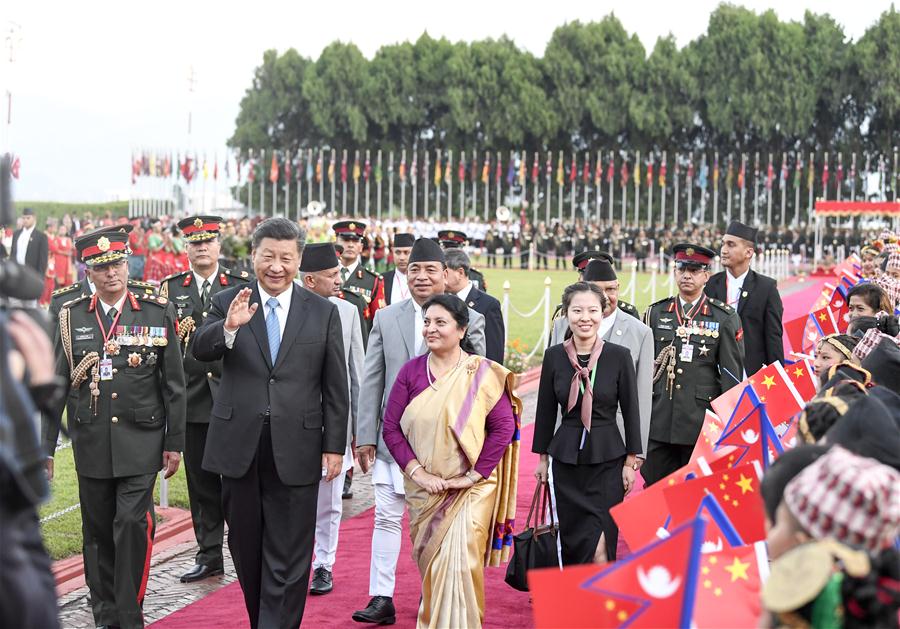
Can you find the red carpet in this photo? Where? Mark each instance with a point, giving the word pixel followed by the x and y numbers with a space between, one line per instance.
pixel 505 606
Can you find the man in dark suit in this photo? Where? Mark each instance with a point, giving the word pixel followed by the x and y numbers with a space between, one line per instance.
pixel 395 288
pixel 458 283
pixel 191 292
pixel 278 423
pixel 29 244
pixel 754 296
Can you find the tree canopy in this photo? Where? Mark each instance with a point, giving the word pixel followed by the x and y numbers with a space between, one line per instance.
pixel 751 82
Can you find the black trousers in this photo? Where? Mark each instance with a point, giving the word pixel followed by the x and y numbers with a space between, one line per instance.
pixel 205 495
pixel 663 459
pixel 118 524
pixel 271 527
pixel 584 495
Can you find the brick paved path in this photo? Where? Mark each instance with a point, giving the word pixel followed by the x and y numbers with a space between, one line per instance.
pixel 166 594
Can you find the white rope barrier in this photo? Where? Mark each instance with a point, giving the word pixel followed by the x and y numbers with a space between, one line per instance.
pixel 526 315
pixel 506 306
pixel 60 513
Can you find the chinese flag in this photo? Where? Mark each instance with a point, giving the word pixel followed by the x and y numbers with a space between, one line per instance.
pixel 825 321
pixel 774 388
pixel 736 491
pixel 654 587
pixel 728 588
pixel 801 376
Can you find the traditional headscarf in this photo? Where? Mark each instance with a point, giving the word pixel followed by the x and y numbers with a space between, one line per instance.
pixel 843 343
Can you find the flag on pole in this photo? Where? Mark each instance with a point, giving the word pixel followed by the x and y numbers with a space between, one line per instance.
pixel 498 173
pixel 461 174
pixel 287 167
pixel 309 167
pixel 770 175
pixel 215 167
pixel 653 587
pixel 610 169
pixel 662 174
pixel 598 172
pixel 227 168
pixel 251 170
pixel 560 176
pixel 510 173
pixel 273 169
pixel 14 167
pixel 798 169
pixel 356 168
pixel 319 167
pixel 752 433
pixel 810 174
pixel 535 169
pixel 623 174
pixel 378 170
pixel 438 172
pixel 690 169
pixel 331 169
pixel 637 172
pixel 728 589
pixel 729 178
pixel 573 170
pixel 704 176
pixel 448 174
pixel 716 171
pixel 486 169
pixel 414 168
pixel 825 175
pixel 650 174
pixel 839 175
pixel 740 177
pixel 586 171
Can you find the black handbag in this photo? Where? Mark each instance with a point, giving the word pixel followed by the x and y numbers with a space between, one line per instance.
pixel 535 547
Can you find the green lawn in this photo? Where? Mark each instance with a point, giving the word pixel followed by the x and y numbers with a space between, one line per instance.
pixel 62 535
pixel 527 288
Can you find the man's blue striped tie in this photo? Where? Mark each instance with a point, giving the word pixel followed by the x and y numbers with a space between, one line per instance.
pixel 273 329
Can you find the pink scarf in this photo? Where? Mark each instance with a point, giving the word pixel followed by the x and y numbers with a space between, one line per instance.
pixel 582 374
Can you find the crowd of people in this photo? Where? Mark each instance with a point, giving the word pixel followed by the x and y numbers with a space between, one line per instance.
pixel 271 354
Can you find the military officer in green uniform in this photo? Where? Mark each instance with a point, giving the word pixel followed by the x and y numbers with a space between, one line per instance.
pixel 699 355
pixel 119 352
pixel 84 287
pixel 190 292
pixel 356 300
pixel 453 239
pixel 355 277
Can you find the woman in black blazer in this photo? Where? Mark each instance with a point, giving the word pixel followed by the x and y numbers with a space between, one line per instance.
pixel 592 468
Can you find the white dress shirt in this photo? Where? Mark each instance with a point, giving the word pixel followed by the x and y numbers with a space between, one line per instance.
pixel 399 287
pixel 464 293
pixel 284 303
pixel 199 279
pixel 22 244
pixel 607 323
pixel 351 268
pixel 734 285
pixel 419 320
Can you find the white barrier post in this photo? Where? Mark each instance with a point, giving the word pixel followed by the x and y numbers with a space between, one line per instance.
pixel 654 268
pixel 633 280
pixel 531 254
pixel 505 308
pixel 545 337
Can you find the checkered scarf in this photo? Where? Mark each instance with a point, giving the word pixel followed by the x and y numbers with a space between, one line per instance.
pixel 890 286
pixel 854 499
pixel 893 261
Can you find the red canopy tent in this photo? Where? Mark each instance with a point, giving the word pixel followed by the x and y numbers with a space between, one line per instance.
pixel 871 209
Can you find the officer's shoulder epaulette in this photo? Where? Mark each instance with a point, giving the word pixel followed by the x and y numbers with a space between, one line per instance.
pixel 74 301
pixel 241 275
pixel 721 305
pixel 363 269
pixel 624 306
pixel 174 276
pixel 146 287
pixel 664 300
pixel 65 289
pixel 158 300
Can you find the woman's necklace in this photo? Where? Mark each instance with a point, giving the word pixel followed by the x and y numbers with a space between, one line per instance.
pixel 428 368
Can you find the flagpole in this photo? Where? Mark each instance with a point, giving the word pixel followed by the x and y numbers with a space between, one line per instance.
pixel 425 166
pixel 462 187
pixel 809 207
pixel 262 189
pixel 332 170
pixel 587 163
pixel 675 196
pixel 390 184
pixel 715 190
pixel 650 190
pixel 487 182
pixel 894 177
pixel 743 183
pixel 355 183
pixel 624 187
pixel 367 175
pixel 610 185
pixel 560 180
pixel 574 182
pixel 274 184
pixel 414 184
pixel 498 170
pixel 756 188
pixel 378 177
pixel 437 184
pixel 637 187
pixel 598 187
pixel 704 180
pixel 250 166
pixel 474 178
pixel 343 182
pixel 798 167
pixel 769 193
pixel 783 188
pixel 403 185
pixel 853 176
pixel 549 170
pixel 449 169
pixel 839 176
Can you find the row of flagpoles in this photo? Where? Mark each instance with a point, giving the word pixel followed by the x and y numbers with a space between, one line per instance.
pixel 474 182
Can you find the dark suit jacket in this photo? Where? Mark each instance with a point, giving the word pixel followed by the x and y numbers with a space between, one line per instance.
pixel 306 390
pixel 38 253
pixel 615 386
pixel 760 311
pixel 494 330
pixel 388 285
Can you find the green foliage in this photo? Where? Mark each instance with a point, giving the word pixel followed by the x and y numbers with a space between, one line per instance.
pixel 46 209
pixel 751 82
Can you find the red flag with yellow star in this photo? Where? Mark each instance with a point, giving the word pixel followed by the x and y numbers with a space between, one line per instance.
pixel 801 376
pixel 776 390
pixel 825 321
pixel 728 588
pixel 736 491
pixel 654 587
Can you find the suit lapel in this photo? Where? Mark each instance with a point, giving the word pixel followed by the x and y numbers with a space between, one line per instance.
pixel 746 289
pixel 406 320
pixel 296 318
pixel 258 325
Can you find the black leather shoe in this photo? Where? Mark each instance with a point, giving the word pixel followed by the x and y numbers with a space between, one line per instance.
pixel 380 611
pixel 322 582
pixel 200 572
pixel 347 493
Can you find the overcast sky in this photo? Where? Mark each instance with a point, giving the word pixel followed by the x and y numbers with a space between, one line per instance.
pixel 91 80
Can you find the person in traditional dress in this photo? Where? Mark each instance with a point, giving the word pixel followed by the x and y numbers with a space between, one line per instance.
pixel 460 463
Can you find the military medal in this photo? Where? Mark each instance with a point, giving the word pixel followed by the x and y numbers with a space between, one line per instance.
pixel 704 350
pixel 151 359
pixel 134 359
pixel 111 348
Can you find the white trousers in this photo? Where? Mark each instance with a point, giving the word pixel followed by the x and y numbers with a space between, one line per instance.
pixel 389 506
pixel 329 509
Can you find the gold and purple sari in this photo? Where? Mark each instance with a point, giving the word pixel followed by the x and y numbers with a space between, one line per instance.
pixel 456 533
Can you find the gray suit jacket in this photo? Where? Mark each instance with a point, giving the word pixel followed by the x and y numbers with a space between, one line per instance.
pixel 354 354
pixel 638 338
pixel 392 345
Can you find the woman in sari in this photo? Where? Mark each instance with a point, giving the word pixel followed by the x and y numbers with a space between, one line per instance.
pixel 451 423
